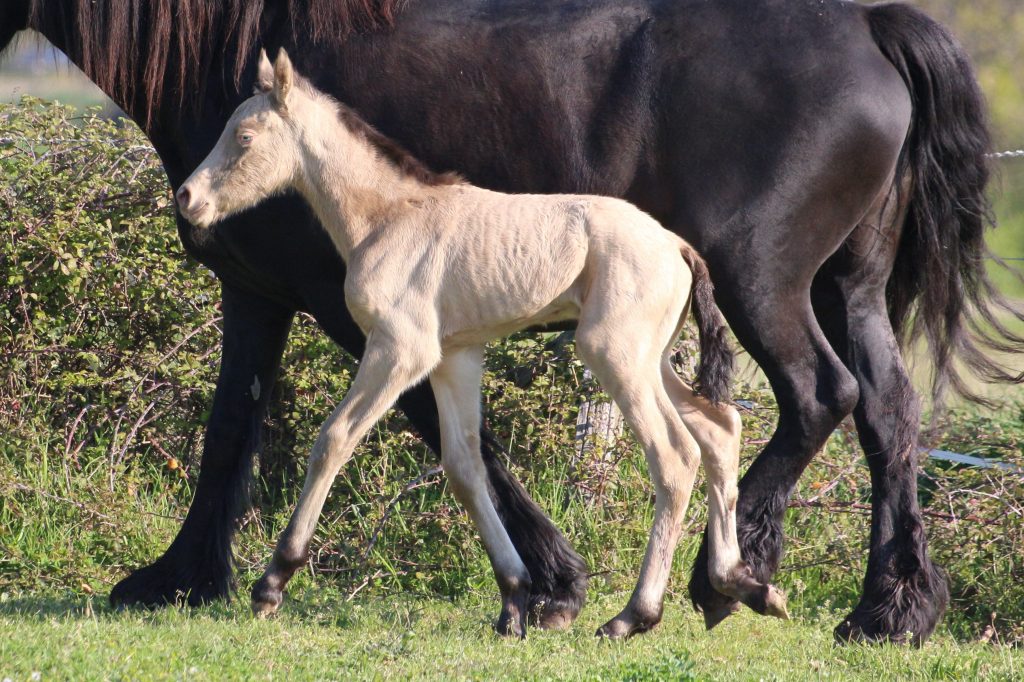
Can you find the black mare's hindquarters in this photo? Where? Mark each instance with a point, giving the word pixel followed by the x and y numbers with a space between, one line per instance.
pixel 761 130
pixel 913 263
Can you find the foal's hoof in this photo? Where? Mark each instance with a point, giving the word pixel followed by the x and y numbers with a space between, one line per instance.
pixel 515 596
pixel 265 599
pixel 714 616
pixel 762 598
pixel 625 625
pixel 775 604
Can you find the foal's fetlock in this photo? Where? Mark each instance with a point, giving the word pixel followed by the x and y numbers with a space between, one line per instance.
pixel 763 598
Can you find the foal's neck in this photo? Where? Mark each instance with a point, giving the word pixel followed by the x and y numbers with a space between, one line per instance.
pixel 351 188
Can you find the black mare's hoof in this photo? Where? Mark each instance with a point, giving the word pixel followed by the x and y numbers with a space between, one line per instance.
pixel 515 598
pixel 871 625
pixel 163 583
pixel 553 620
pixel 905 612
pixel 510 626
pixel 549 612
pixel 706 600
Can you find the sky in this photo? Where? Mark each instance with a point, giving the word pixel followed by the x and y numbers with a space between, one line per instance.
pixel 34 67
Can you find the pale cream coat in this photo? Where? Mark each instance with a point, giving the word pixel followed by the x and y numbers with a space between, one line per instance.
pixel 438 269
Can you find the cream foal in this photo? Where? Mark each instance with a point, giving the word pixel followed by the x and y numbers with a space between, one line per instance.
pixel 436 268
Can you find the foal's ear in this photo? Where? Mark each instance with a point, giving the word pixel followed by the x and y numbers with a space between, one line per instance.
pixel 264 74
pixel 283 76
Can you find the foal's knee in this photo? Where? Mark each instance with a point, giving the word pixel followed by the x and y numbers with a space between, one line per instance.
pixel 331 443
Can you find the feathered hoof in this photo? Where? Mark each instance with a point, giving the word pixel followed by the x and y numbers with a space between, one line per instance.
pixel 549 612
pixel 899 610
pixel 166 582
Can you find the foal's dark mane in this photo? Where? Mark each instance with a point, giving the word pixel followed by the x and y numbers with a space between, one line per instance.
pixel 400 157
pixel 143 50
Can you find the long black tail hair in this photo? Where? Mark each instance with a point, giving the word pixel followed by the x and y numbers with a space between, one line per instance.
pixel 939 288
pixel 715 368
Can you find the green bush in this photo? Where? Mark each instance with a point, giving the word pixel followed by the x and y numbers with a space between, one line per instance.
pixel 109 344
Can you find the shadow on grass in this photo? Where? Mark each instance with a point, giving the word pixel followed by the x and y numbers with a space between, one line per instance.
pixel 77 607
pixel 310 606
pixel 47 607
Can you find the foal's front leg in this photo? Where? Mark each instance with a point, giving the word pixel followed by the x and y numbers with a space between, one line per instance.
pixel 456 384
pixel 387 368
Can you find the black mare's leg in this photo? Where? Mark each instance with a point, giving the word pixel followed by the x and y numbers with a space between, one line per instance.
pixel 197 567
pixel 905 594
pixel 558 574
pixel 763 261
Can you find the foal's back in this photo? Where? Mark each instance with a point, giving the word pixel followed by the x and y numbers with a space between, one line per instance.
pixel 491 263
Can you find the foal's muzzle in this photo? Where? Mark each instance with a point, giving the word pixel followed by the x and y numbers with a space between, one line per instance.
pixel 190 206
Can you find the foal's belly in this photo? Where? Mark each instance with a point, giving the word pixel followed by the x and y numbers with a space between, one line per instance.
pixel 455 335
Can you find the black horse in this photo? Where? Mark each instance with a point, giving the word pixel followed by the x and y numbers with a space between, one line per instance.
pixel 827 158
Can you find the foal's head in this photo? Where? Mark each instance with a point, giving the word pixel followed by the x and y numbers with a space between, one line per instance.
pixel 259 154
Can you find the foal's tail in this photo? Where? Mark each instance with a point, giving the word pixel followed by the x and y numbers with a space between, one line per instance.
pixel 939 287
pixel 714 370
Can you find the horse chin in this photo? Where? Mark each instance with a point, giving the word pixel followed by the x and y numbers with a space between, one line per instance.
pixel 206 218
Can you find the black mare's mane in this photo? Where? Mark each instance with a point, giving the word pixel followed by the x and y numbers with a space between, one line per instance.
pixel 143 51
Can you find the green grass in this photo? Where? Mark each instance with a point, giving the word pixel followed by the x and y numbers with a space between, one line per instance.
pixel 321 636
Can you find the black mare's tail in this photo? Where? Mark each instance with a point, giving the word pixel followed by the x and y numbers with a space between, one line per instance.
pixel 714 370
pixel 558 574
pixel 939 287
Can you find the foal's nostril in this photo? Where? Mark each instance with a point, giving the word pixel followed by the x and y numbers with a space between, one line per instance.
pixel 184 198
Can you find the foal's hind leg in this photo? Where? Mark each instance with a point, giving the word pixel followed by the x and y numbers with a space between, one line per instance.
pixel 386 369
pixel 716 429
pixel 672 457
pixel 456 384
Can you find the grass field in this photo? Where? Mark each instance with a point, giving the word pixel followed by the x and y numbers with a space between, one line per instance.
pixel 322 636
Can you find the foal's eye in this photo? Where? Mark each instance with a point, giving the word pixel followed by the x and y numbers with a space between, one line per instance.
pixel 245 139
